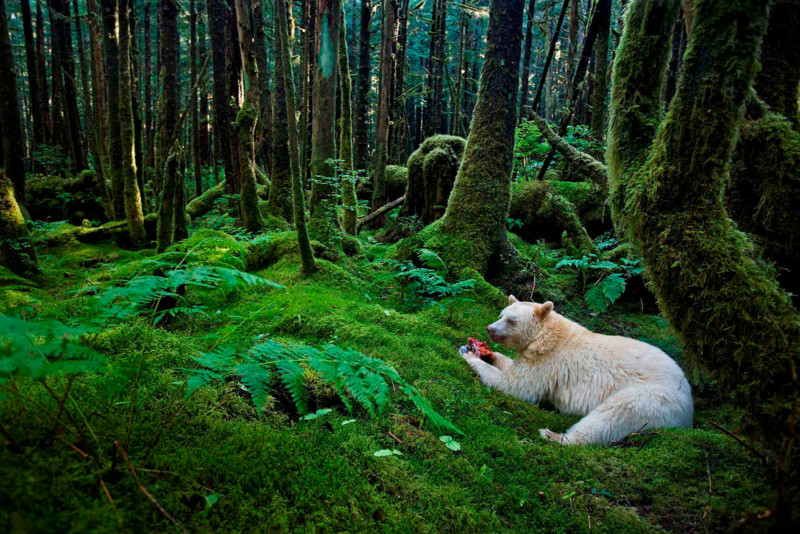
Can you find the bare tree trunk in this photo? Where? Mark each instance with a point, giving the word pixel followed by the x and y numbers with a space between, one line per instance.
pixel 111 55
pixel 133 200
pixel 361 121
pixel 526 61
pixel 572 47
pixel 264 131
pixel 306 254
pixel 398 128
pixel 382 131
pixel 33 73
pixel 13 149
pixel 205 146
pixel 198 176
pixel 222 108
pixel 280 193
pixel 148 100
pixel 547 62
pixel 350 215
pixel 41 69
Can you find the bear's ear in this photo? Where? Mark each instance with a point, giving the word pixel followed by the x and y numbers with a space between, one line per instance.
pixel 512 300
pixel 544 309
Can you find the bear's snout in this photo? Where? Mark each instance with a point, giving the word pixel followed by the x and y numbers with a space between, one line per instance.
pixel 494 335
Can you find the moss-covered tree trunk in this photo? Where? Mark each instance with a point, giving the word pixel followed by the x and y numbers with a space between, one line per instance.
pixel 475 218
pixel 33 76
pixel 324 188
pixel 384 100
pixel 280 193
pixel 16 249
pixel 166 204
pixel 12 137
pixel 264 128
pixel 181 230
pixel 223 116
pixel 361 120
pixel 350 214
pixel 133 200
pixel 111 57
pixel 298 197
pixel 246 121
pixel 600 91
pixel 726 307
pixel 778 81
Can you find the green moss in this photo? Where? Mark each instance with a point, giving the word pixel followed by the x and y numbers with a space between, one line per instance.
pixel 432 169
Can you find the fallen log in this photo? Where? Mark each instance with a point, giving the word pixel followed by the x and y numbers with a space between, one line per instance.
pixel 380 211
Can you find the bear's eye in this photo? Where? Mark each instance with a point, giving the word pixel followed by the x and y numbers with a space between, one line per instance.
pixel 511 320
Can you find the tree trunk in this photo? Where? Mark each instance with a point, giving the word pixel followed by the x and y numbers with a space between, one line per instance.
pixel 198 176
pixel 166 158
pixel 13 137
pixel 526 61
pixel 398 128
pixel 233 68
pixel 600 91
pixel 729 312
pixel 205 145
pixel 546 68
pixel 222 107
pixel 41 70
pixel 350 215
pixel 111 55
pixel 264 136
pixel 778 80
pixel 572 47
pixel 133 200
pixel 33 74
pixel 148 100
pixel 306 254
pixel 361 120
pixel 323 136
pixel 17 252
pixel 280 193
pixel 434 82
pixel 382 129
pixel 473 226
pixel 181 230
pixel 247 119
pixel 97 131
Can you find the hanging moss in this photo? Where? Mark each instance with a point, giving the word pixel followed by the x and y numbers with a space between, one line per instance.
pixel 16 249
pixel 432 170
pixel 764 190
pixel 729 312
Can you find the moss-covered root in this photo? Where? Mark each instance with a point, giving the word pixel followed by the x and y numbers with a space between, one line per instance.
pixel 476 212
pixel 201 205
pixel 731 315
pixel 778 81
pixel 595 170
pixel 16 249
pixel 639 77
pixel 432 170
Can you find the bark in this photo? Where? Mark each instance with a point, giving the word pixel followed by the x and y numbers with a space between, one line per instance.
pixel 572 47
pixel 382 129
pixel 166 205
pixel 17 252
pixel 198 176
pixel 233 70
pixel 324 188
pixel 148 100
pixel 361 120
pixel 526 61
pixel 223 116
pixel 10 119
pixel 778 80
pixel 600 91
pixel 205 146
pixel 380 212
pixel 247 119
pixel 434 83
pixel 460 74
pixel 33 74
pixel 111 56
pixel 547 62
pixel 181 230
pixel 731 315
pixel 264 136
pixel 398 127
pixel 473 226
pixel 350 213
pixel 306 254
pixel 280 195
pixel 65 72
pixel 41 70
pixel 133 200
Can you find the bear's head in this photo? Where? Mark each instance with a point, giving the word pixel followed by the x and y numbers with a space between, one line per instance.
pixel 519 322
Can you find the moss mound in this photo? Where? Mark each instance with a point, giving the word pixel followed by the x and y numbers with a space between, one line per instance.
pixel 432 169
pixel 396 179
pixel 54 198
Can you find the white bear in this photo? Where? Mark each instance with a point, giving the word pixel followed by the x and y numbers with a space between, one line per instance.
pixel 619 384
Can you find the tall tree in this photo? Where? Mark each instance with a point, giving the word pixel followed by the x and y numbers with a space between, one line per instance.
pixel 13 138
pixel 323 119
pixel 280 192
pixel 198 176
pixel 306 254
pixel 264 132
pixel 205 145
pixel 247 119
pixel 474 223
pixel 41 69
pixel 222 107
pixel 33 73
pixel 133 200
pixel 361 119
pixel 111 55
pixel 600 76
pixel 434 82
pixel 526 61
pixel 350 215
pixel 148 100
pixel 572 47
pixel 166 143
pixel 384 100
pixel 541 84
pixel 398 125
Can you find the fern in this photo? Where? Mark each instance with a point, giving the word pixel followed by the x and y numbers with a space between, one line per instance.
pixel 431 259
pixel 353 375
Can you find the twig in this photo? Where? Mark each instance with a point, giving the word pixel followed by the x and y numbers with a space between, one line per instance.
pixel 395 438
pixel 105 490
pixel 708 501
pixel 74 448
pixel 739 440
pixel 144 490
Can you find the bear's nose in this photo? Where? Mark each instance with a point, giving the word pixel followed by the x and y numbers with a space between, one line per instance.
pixel 489 329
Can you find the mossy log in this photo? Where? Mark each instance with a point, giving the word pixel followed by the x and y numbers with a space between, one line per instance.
pixel 547 215
pixel 201 205
pixel 16 249
pixel 54 198
pixel 432 170
pixel 730 313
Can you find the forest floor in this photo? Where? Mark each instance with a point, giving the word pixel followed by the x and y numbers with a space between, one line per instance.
pixel 214 465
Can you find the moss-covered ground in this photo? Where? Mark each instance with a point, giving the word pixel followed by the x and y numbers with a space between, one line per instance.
pixel 215 466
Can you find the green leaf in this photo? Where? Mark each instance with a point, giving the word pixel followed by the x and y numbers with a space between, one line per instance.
pixel 211 499
pixel 453 445
pixel 348 422
pixel 383 452
pixel 568 495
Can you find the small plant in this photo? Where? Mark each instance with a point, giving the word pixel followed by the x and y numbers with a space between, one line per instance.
pixel 611 277
pixel 513 223
pixel 352 374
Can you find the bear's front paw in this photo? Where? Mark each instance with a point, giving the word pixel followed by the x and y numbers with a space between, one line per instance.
pixel 546 433
pixel 466 353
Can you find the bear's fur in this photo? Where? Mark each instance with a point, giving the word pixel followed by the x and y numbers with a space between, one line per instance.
pixel 619 384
